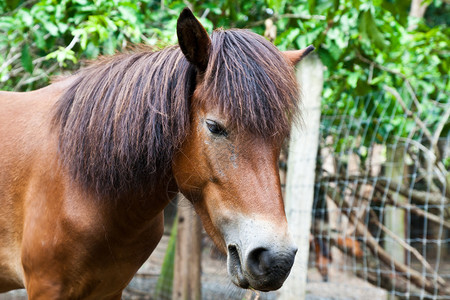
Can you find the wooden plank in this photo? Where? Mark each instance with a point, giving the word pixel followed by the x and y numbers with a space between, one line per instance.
pixel 301 173
pixel 187 269
pixel 394 217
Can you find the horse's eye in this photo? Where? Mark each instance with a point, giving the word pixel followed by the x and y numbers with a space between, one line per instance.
pixel 216 128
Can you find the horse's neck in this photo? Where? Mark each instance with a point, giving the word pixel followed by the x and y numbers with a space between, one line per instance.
pixel 137 210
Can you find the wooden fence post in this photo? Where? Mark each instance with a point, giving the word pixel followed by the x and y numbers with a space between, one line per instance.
pixel 335 218
pixel 188 255
pixel 301 173
pixel 394 217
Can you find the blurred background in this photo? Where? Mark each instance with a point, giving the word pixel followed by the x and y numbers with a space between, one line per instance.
pixel 380 211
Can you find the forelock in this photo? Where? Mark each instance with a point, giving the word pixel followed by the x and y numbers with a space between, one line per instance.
pixel 250 82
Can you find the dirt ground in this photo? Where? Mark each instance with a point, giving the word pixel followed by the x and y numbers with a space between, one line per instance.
pixel 216 284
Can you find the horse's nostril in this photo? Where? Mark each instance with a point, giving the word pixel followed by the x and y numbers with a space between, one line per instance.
pixel 235 267
pixel 233 253
pixel 259 261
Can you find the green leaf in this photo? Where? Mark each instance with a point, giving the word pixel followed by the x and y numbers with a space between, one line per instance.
pixel 12 4
pixel 109 46
pixel 369 30
pixel 6 24
pixel 26 17
pixel 61 55
pixel 352 79
pixel 62 27
pixel 362 87
pixel 286 38
pixel 213 7
pixel 91 50
pixel 26 60
pixel 312 5
pixel 326 58
pixel 39 40
pixel 52 28
pixel 128 14
pixel 276 5
pixel 81 2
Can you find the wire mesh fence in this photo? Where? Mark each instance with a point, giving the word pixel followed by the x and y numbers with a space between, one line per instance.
pixel 382 197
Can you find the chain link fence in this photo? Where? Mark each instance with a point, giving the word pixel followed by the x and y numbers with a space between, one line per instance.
pixel 381 209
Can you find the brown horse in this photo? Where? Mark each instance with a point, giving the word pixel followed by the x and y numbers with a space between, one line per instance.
pixel 88 164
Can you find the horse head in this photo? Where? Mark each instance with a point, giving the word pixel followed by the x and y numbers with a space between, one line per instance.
pixel 244 100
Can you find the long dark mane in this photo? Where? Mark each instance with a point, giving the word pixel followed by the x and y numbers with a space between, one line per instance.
pixel 123 117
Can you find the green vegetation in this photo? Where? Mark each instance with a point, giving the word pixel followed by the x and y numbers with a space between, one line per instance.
pixel 164 285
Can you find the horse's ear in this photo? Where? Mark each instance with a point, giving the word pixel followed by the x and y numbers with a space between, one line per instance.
pixel 193 39
pixel 296 56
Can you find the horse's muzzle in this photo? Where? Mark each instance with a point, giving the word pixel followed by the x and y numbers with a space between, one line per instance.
pixel 260 268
